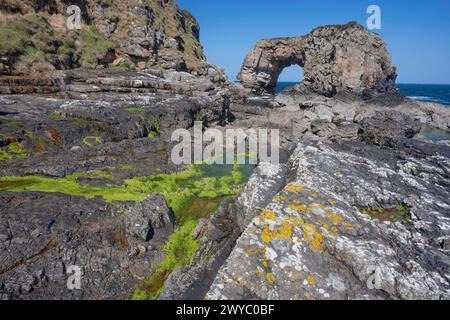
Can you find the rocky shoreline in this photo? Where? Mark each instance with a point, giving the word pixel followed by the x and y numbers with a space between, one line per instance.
pixel 357 208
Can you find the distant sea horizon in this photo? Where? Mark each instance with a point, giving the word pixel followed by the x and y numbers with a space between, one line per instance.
pixel 437 93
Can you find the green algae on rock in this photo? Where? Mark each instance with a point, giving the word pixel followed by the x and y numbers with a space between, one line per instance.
pixel 191 194
pixel 177 187
pixel 399 213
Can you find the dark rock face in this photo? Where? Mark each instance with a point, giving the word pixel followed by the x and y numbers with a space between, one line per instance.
pixel 150 218
pixel 386 128
pixel 333 58
pixel 42 235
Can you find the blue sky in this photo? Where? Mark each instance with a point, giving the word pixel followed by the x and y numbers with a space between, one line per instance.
pixel 417 32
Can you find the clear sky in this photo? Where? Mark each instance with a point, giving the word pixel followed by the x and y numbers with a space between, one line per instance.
pixel 417 32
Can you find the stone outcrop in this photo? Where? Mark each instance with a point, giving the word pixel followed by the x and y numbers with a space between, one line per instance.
pixel 150 218
pixel 128 34
pixel 334 59
pixel 384 238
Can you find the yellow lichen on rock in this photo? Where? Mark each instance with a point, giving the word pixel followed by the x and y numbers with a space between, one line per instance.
pixel 267 215
pixel 311 280
pixel 286 231
pixel 270 277
pixel 295 188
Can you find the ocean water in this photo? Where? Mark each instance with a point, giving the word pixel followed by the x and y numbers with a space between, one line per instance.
pixel 438 93
pixel 284 85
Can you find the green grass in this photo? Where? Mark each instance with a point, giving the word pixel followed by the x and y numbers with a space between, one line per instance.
pixel 10 123
pixel 179 187
pixel 126 64
pixel 94 46
pixel 32 40
pixel 5 156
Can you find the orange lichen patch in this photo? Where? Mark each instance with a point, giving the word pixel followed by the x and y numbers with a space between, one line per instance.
pixel 310 233
pixel 324 225
pixel 276 236
pixel 313 237
pixel 295 188
pixel 334 217
pixel 320 206
pixel 270 277
pixel 286 231
pixel 280 198
pixel 311 280
pixel 266 264
pixel 347 224
pixel 298 208
pixel 266 235
pixel 267 215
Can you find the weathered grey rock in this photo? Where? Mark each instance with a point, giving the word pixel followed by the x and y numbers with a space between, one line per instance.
pixel 333 58
pixel 41 235
pixel 387 128
pixel 313 240
pixel 150 218
pixel 430 114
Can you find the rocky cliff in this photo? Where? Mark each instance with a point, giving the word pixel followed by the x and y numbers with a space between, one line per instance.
pixel 129 34
pixel 334 59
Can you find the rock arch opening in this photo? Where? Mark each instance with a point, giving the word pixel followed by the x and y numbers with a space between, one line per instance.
pixel 289 77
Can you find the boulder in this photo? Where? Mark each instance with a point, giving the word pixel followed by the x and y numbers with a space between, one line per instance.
pixel 387 128
pixel 150 218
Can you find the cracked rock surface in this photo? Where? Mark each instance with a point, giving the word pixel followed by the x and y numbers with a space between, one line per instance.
pixel 316 241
